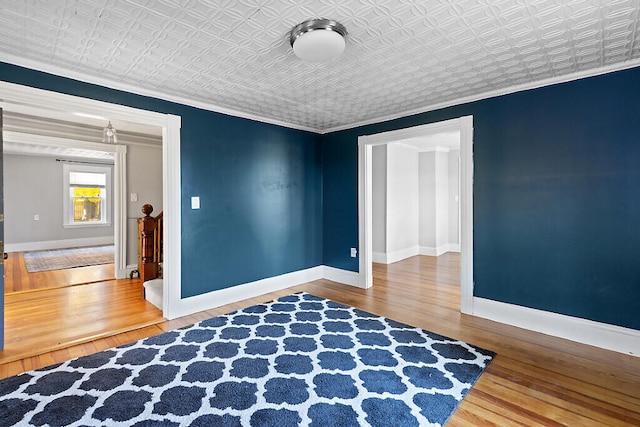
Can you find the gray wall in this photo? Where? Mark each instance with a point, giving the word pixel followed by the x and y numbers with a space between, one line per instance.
pixel 439 187
pixel 144 177
pixel 454 197
pixel 414 201
pixel 33 186
pixel 379 198
pixel 402 198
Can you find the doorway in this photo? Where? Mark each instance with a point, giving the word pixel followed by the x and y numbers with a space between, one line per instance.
pixel 463 125
pixel 17 96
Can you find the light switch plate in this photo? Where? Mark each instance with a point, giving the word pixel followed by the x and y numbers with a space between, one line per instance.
pixel 195 202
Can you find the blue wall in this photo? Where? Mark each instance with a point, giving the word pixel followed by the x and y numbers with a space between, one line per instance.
pixel 556 193
pixel 556 196
pixel 260 187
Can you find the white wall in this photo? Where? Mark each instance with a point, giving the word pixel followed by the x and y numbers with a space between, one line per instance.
pixel 402 198
pixel 442 200
pixel 454 199
pixel 144 177
pixel 415 210
pixel 379 199
pixel 33 185
pixel 427 186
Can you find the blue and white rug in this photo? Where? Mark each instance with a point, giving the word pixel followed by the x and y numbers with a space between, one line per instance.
pixel 300 360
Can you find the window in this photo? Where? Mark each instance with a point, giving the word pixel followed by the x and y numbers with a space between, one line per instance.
pixel 87 192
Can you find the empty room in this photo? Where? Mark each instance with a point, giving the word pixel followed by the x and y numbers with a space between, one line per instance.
pixel 390 213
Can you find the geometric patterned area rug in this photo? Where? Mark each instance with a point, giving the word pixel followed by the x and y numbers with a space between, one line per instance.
pixel 61 259
pixel 300 360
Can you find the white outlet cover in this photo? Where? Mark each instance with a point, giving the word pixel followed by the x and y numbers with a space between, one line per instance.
pixel 195 202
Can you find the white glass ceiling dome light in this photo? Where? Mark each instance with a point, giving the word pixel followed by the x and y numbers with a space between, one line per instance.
pixel 318 40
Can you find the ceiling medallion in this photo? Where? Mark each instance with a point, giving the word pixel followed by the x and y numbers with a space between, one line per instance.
pixel 318 40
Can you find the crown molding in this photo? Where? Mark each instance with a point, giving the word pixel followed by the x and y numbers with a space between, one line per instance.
pixel 492 94
pixel 94 79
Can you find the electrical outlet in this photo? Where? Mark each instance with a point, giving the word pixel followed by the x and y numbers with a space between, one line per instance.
pixel 36 217
pixel 354 252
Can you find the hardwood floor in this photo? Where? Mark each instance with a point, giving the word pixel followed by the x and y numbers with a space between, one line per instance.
pixel 50 310
pixel 50 319
pixel 18 279
pixel 534 380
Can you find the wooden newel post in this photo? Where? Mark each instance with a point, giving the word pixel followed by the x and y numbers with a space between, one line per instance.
pixel 147 265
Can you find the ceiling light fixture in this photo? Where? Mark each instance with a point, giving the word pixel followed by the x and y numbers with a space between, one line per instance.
pixel 109 134
pixel 318 40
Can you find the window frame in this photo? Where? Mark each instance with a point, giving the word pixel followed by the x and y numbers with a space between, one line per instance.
pixel 67 202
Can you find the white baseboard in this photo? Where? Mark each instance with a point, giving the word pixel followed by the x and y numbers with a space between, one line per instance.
pixel 125 273
pixel 384 258
pixel 453 247
pixel 190 305
pixel 610 337
pixel 379 257
pixel 343 276
pixel 58 244
pixel 391 257
pixel 437 251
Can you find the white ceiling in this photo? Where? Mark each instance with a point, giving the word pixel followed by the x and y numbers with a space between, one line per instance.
pixel 402 56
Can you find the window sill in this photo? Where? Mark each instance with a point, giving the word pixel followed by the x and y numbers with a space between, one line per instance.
pixel 95 224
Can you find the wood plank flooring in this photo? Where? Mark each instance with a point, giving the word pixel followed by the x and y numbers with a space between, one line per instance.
pixel 50 319
pixel 534 380
pixel 18 279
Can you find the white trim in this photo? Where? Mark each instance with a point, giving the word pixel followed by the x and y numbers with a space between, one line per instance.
pixel 14 94
pixel 121 85
pixel 365 144
pixel 610 337
pixel 172 218
pixel 59 244
pixel 383 258
pixel 207 301
pixel 453 247
pixel 492 94
pixel 365 215
pixel 107 200
pixel 466 214
pixel 18 94
pixel 198 303
pixel 379 257
pixel 437 251
pixel 129 268
pixel 52 141
pixel 120 210
pixel 342 276
pixel 401 254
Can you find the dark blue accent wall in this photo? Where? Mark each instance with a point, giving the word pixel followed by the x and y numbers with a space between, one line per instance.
pixel 260 187
pixel 556 196
pixel 260 191
pixel 556 193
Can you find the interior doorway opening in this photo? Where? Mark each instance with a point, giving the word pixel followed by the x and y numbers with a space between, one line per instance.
pixel 462 125
pixel 53 104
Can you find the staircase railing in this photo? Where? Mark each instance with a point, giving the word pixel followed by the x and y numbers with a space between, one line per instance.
pixel 150 244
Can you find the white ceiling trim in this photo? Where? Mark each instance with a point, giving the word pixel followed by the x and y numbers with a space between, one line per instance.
pixel 50 141
pixel 512 89
pixel 93 79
